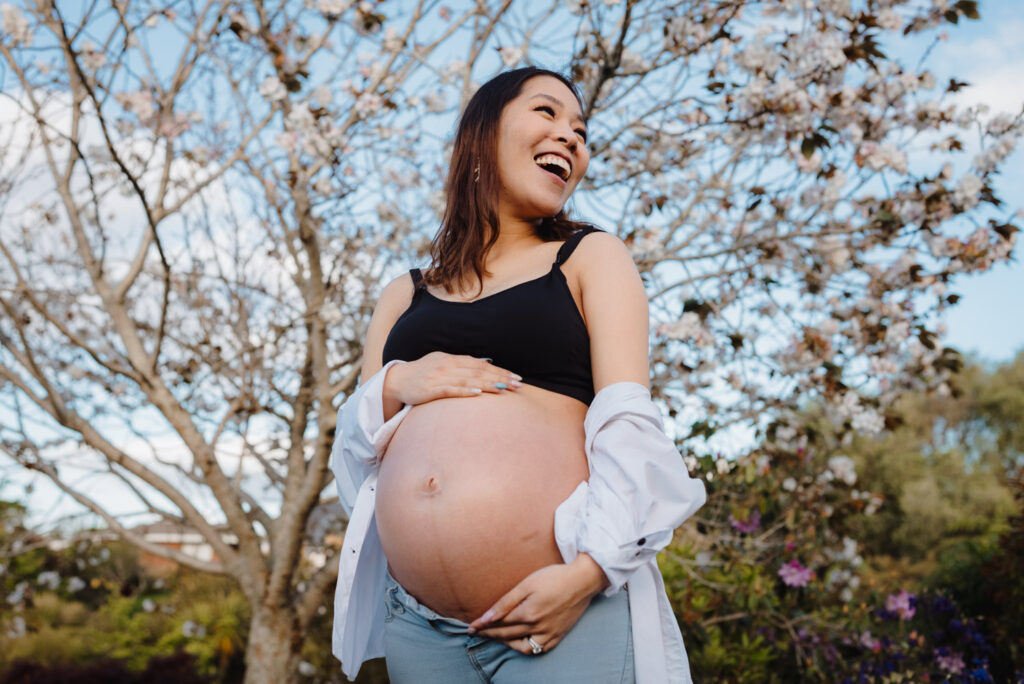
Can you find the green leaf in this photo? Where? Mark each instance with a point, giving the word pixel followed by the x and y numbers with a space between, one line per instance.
pixel 969 8
pixel 807 147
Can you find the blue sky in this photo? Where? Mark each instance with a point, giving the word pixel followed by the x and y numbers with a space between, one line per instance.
pixel 989 54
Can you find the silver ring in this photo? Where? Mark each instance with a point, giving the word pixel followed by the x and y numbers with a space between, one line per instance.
pixel 537 648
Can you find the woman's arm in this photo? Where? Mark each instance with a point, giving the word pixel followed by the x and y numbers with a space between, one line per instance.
pixel 394 299
pixel 616 312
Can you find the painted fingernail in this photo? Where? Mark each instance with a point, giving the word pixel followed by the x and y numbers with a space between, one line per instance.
pixel 516 376
pixel 515 384
pixel 500 385
pixel 485 358
pixel 476 390
pixel 486 617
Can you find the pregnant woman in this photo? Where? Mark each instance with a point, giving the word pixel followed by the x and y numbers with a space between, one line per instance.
pixel 506 475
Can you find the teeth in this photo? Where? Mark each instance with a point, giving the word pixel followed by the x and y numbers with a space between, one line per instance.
pixel 555 160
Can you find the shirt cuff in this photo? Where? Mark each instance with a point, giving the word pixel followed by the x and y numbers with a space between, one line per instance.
pixel 371 428
pixel 362 436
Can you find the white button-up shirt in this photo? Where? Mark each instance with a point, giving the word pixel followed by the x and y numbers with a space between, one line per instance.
pixel 638 492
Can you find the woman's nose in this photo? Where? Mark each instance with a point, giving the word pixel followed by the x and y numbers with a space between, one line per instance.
pixel 569 139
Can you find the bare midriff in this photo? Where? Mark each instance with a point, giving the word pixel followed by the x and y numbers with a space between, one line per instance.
pixel 467 492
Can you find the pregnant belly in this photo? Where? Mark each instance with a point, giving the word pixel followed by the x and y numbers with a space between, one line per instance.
pixel 467 492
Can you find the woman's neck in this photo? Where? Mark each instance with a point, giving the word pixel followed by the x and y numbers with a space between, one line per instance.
pixel 514 235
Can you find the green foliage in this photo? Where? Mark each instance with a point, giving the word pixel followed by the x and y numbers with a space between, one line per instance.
pixel 105 606
pixel 792 570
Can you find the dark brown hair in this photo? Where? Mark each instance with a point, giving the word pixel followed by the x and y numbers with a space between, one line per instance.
pixel 469 227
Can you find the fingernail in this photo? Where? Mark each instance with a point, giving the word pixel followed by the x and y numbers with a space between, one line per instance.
pixel 515 384
pixel 500 385
pixel 516 376
pixel 486 617
pixel 470 630
pixel 476 390
pixel 484 358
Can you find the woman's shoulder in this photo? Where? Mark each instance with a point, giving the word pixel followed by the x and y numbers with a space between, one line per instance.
pixel 397 295
pixel 598 249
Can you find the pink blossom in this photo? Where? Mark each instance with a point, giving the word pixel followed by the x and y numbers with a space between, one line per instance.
pixel 901 604
pixel 793 574
pixel 748 526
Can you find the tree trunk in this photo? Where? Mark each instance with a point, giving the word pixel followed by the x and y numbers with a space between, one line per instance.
pixel 272 654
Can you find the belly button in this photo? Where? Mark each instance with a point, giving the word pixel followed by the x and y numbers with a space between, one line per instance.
pixel 431 485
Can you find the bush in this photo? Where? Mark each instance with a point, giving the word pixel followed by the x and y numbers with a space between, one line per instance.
pixel 178 668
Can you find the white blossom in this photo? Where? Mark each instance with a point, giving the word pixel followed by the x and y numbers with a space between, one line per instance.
pixel 272 89
pixel 689 327
pixel 18 628
pixel 842 468
pixel 889 20
pixel 868 421
pixel 49 579
pixel 15 25
pixel 92 58
pixel 333 7
pixel 191 629
pixel 968 190
pixel 18 595
pixel 368 104
pixel 510 55
pixel 323 96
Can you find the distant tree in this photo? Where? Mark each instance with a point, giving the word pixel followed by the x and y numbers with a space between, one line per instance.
pixel 200 199
pixel 944 467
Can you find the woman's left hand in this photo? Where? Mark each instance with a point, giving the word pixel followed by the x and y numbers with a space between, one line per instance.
pixel 544 606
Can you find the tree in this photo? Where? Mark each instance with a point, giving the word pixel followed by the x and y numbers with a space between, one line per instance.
pixel 201 198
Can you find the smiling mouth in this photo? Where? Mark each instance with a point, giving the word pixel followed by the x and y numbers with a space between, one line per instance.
pixel 555 165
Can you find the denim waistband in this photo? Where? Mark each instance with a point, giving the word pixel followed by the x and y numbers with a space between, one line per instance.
pixel 402 601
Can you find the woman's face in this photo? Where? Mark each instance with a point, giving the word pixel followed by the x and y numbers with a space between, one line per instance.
pixel 542 151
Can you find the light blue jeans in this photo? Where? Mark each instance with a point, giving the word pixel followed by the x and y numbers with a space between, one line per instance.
pixel 422 647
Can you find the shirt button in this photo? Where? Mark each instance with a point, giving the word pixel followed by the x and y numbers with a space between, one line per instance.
pixel 642 541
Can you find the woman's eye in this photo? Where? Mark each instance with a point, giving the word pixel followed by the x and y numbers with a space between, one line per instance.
pixel 545 108
pixel 582 133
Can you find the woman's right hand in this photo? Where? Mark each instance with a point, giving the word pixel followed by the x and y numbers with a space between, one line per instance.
pixel 439 375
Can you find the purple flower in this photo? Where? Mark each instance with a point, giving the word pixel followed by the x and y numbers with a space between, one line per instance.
pixel 869 642
pixel 748 526
pixel 902 604
pixel 795 575
pixel 952 663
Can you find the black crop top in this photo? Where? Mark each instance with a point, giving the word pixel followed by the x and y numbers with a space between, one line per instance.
pixel 533 329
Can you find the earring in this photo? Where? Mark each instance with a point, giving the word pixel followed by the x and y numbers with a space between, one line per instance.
pixel 476 174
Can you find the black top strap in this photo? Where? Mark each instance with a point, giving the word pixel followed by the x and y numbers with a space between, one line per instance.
pixel 417 277
pixel 570 244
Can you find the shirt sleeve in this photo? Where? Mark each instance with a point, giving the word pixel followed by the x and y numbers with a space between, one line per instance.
pixel 639 490
pixel 362 436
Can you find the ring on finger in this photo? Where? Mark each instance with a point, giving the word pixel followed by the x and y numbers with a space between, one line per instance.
pixel 537 648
